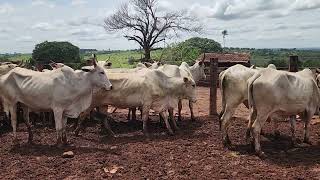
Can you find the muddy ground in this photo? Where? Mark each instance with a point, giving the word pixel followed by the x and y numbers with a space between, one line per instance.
pixel 195 152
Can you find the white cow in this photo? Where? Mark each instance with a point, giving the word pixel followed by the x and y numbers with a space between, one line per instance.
pixel 6 68
pixel 283 93
pixel 234 91
pixel 148 89
pixel 64 91
pixel 197 71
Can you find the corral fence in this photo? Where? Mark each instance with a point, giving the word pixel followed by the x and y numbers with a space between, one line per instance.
pixel 213 77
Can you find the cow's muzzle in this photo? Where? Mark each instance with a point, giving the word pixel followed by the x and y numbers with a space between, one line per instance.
pixel 108 88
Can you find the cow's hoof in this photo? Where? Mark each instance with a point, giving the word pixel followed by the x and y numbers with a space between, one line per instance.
pixel 30 142
pixel 248 135
pixel 59 145
pixel 276 135
pixel 170 133
pixel 76 132
pixel 261 155
pixel 179 119
pixel 176 128
pixel 226 142
pixel 146 134
pixel 193 119
pixel 15 142
pixel 294 143
pixel 307 141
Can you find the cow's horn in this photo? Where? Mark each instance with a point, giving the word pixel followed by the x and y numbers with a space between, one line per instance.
pixel 204 56
pixel 20 64
pixel 94 61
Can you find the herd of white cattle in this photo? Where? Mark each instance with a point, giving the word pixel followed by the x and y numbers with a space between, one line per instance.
pixel 268 93
pixel 68 93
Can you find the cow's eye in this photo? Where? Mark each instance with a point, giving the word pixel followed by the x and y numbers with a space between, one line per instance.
pixel 101 72
pixel 193 85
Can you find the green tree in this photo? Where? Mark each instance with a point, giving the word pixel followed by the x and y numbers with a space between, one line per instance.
pixel 203 44
pixel 56 51
pixel 279 63
pixel 190 50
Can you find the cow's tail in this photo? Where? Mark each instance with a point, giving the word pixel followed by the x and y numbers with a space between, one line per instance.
pixel 251 103
pixel 222 87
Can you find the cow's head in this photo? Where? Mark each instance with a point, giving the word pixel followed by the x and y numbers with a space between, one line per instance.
pixel 197 70
pixel 6 68
pixel 98 76
pixel 189 88
pixel 55 65
pixel 156 65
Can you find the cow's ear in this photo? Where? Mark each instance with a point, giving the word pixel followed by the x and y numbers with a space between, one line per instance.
pixel 87 68
pixel 109 64
pixel 185 79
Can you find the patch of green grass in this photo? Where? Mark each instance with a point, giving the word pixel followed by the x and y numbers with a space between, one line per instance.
pixel 23 57
pixel 120 59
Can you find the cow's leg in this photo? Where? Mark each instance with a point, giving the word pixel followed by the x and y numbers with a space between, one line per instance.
pixel 191 111
pixel 27 121
pixel 64 130
pixel 171 117
pixel 225 125
pixel 145 116
pixel 13 113
pixel 165 117
pixel 79 124
pixel 293 130
pixel 129 115
pixel 81 119
pixel 107 126
pixel 251 118
pixel 275 128
pixel 179 110
pixel 59 125
pixel 256 129
pixel 307 118
pixel 134 114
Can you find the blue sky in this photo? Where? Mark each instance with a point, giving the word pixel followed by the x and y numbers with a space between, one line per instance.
pixel 250 23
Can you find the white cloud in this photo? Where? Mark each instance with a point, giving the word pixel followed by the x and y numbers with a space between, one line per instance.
pixel 239 9
pixel 6 8
pixel 81 32
pixel 93 37
pixel 43 26
pixel 86 20
pixel 78 2
pixel 5 29
pixel 305 4
pixel 25 39
pixel 165 5
pixel 45 3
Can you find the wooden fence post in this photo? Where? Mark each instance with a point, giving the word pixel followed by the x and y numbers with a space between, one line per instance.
pixel 293 64
pixel 213 86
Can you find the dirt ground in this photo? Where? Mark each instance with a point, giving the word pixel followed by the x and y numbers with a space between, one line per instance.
pixel 195 152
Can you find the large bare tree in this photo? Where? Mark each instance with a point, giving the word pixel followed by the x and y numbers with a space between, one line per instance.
pixel 142 22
